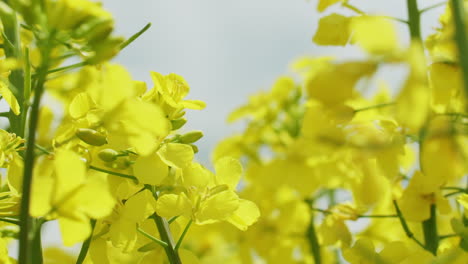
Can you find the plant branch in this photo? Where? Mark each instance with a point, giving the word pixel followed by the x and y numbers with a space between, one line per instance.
pixel 461 40
pixel 85 247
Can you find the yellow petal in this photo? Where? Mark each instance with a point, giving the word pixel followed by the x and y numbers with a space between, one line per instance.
pixel 196 175
pixel 333 30
pixel 9 97
pixel 170 205
pixel 81 104
pixel 247 214
pixel 324 4
pixel 176 155
pixel 228 171
pixel 74 230
pixel 150 169
pixel 375 35
pixel 218 207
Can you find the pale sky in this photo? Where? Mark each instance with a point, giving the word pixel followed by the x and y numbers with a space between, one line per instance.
pixel 227 50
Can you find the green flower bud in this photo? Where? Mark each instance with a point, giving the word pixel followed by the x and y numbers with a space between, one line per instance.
pixel 191 137
pixel 91 136
pixel 108 155
pixel 178 123
pixel 194 147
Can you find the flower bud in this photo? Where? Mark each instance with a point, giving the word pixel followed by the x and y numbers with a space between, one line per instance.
pixel 194 148
pixel 178 123
pixel 91 136
pixel 108 155
pixel 191 137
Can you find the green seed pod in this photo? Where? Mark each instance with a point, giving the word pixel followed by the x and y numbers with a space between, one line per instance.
pixel 108 155
pixel 191 137
pixel 91 136
pixel 178 123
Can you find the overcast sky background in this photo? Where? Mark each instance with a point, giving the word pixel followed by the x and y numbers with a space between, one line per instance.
pixel 227 50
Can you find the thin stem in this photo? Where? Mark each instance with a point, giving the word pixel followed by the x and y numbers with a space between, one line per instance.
pixel 85 247
pixel 396 19
pixel 158 241
pixel 181 238
pixel 461 40
pixel 26 87
pixel 353 8
pixel 453 193
pixel 404 225
pixel 313 241
pixel 135 36
pixel 424 10
pixel 377 216
pixel 173 219
pixel 114 173
pixel 447 236
pixel 69 67
pixel 10 220
pixel 373 107
pixel 41 148
pixel 454 188
pixel 431 238
pixel 25 219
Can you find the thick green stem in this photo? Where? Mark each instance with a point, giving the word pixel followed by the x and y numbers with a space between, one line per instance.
pixel 313 241
pixel 85 247
pixel 431 238
pixel 166 236
pixel 414 21
pixel 25 236
pixel 461 39
pixel 37 242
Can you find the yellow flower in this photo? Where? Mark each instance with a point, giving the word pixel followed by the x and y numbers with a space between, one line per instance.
pixel 333 30
pixel 63 190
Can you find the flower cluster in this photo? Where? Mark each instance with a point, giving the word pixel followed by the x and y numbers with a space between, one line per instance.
pixel 113 167
pixel 346 166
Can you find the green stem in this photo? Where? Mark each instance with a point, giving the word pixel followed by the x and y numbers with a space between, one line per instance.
pixel 461 40
pixel 135 36
pixel 25 219
pixel 173 219
pixel 27 88
pixel 166 235
pixel 69 67
pixel 414 21
pixel 404 225
pixel 313 241
pixel 115 173
pixel 448 236
pixel 10 220
pixel 373 107
pixel 158 241
pixel 85 247
pixel 431 238
pixel 37 242
pixel 432 7
pixel 181 238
